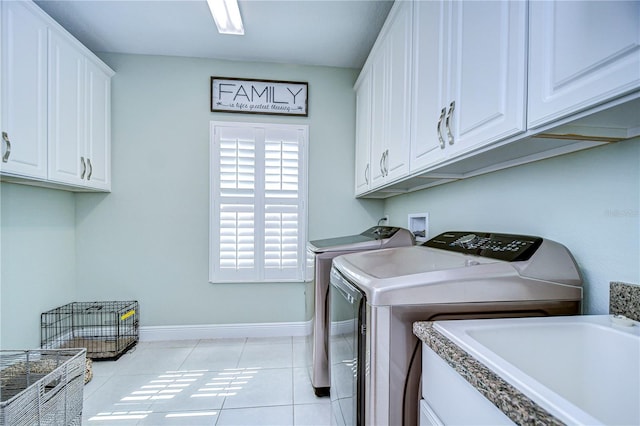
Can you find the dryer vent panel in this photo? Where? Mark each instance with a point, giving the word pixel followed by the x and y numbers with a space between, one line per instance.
pixel 419 225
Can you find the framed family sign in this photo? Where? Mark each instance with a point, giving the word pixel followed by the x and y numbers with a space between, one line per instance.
pixel 259 96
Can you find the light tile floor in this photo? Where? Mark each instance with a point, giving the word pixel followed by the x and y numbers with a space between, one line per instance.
pixel 254 381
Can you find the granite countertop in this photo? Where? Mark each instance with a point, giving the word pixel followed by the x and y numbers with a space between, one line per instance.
pixel 624 299
pixel 517 406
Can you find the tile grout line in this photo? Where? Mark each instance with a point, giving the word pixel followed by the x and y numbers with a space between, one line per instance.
pixel 224 401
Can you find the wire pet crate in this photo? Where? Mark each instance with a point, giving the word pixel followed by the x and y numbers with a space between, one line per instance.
pixel 41 387
pixel 105 329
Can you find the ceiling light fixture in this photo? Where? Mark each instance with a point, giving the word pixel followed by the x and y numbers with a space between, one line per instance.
pixel 227 16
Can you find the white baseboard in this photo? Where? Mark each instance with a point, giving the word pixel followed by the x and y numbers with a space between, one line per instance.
pixel 219 331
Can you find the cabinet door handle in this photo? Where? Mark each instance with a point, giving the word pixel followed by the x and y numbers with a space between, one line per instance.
pixel 90 169
pixel 382 164
pixel 386 163
pixel 452 106
pixel 383 167
pixel 366 174
pixel 7 153
pixel 84 167
pixel 442 113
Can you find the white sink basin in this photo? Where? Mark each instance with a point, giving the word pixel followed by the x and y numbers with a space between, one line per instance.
pixel 581 369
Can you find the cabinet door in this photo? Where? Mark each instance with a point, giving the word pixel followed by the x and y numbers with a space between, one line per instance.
pixel 580 54
pixel 428 417
pixel 429 71
pixel 23 83
pixel 363 133
pixel 398 69
pixel 98 128
pixel 378 118
pixel 487 76
pixel 67 67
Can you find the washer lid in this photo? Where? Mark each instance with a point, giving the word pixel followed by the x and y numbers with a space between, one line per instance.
pixel 403 261
pixel 424 275
pixel 338 242
pixel 377 237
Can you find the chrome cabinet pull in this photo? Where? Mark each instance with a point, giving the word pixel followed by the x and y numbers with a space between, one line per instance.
pixel 382 164
pixel 84 168
pixel 386 163
pixel 366 174
pixel 7 153
pixel 442 113
pixel 452 106
pixel 90 169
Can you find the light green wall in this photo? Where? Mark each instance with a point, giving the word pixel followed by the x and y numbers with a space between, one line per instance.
pixel 588 201
pixel 37 260
pixel 148 239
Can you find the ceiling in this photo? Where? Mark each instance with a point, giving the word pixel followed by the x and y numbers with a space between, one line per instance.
pixel 307 32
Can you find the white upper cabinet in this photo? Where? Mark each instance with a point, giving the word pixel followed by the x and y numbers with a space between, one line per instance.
pixel 582 53
pixel 98 127
pixel 79 117
pixel 389 69
pixel 363 133
pixel 23 88
pixel 430 75
pixel 55 105
pixel 488 66
pixel 497 84
pixel 66 111
pixel 398 93
pixel 377 124
pixel 469 77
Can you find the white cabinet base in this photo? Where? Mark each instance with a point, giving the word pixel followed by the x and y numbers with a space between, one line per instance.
pixel 445 391
pixel 427 416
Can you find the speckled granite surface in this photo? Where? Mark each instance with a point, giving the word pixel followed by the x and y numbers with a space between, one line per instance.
pixel 624 299
pixel 517 406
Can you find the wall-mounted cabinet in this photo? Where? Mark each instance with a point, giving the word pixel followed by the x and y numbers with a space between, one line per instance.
pixel 499 84
pixel 469 77
pixel 55 105
pixel 363 133
pixel 23 87
pixel 79 107
pixel 386 82
pixel 580 55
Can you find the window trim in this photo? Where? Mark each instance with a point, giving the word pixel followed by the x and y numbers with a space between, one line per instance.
pixel 257 274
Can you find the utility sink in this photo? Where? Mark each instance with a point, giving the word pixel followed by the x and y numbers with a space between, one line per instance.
pixel 581 369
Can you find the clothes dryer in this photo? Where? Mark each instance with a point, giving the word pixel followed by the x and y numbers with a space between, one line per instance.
pixel 375 360
pixel 320 254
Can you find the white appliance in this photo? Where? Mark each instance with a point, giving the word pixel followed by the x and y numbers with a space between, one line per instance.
pixel 375 360
pixel 320 254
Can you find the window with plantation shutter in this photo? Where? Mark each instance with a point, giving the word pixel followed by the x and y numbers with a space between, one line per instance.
pixel 258 199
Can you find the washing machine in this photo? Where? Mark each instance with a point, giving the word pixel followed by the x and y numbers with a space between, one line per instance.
pixel 320 254
pixel 375 360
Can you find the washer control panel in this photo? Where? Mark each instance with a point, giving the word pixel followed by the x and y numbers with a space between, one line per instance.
pixel 511 248
pixel 380 232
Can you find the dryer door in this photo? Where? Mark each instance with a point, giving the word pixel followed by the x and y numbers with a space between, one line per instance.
pixel 346 351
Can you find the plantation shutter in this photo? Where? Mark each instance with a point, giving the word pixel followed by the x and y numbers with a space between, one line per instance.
pixel 258 218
